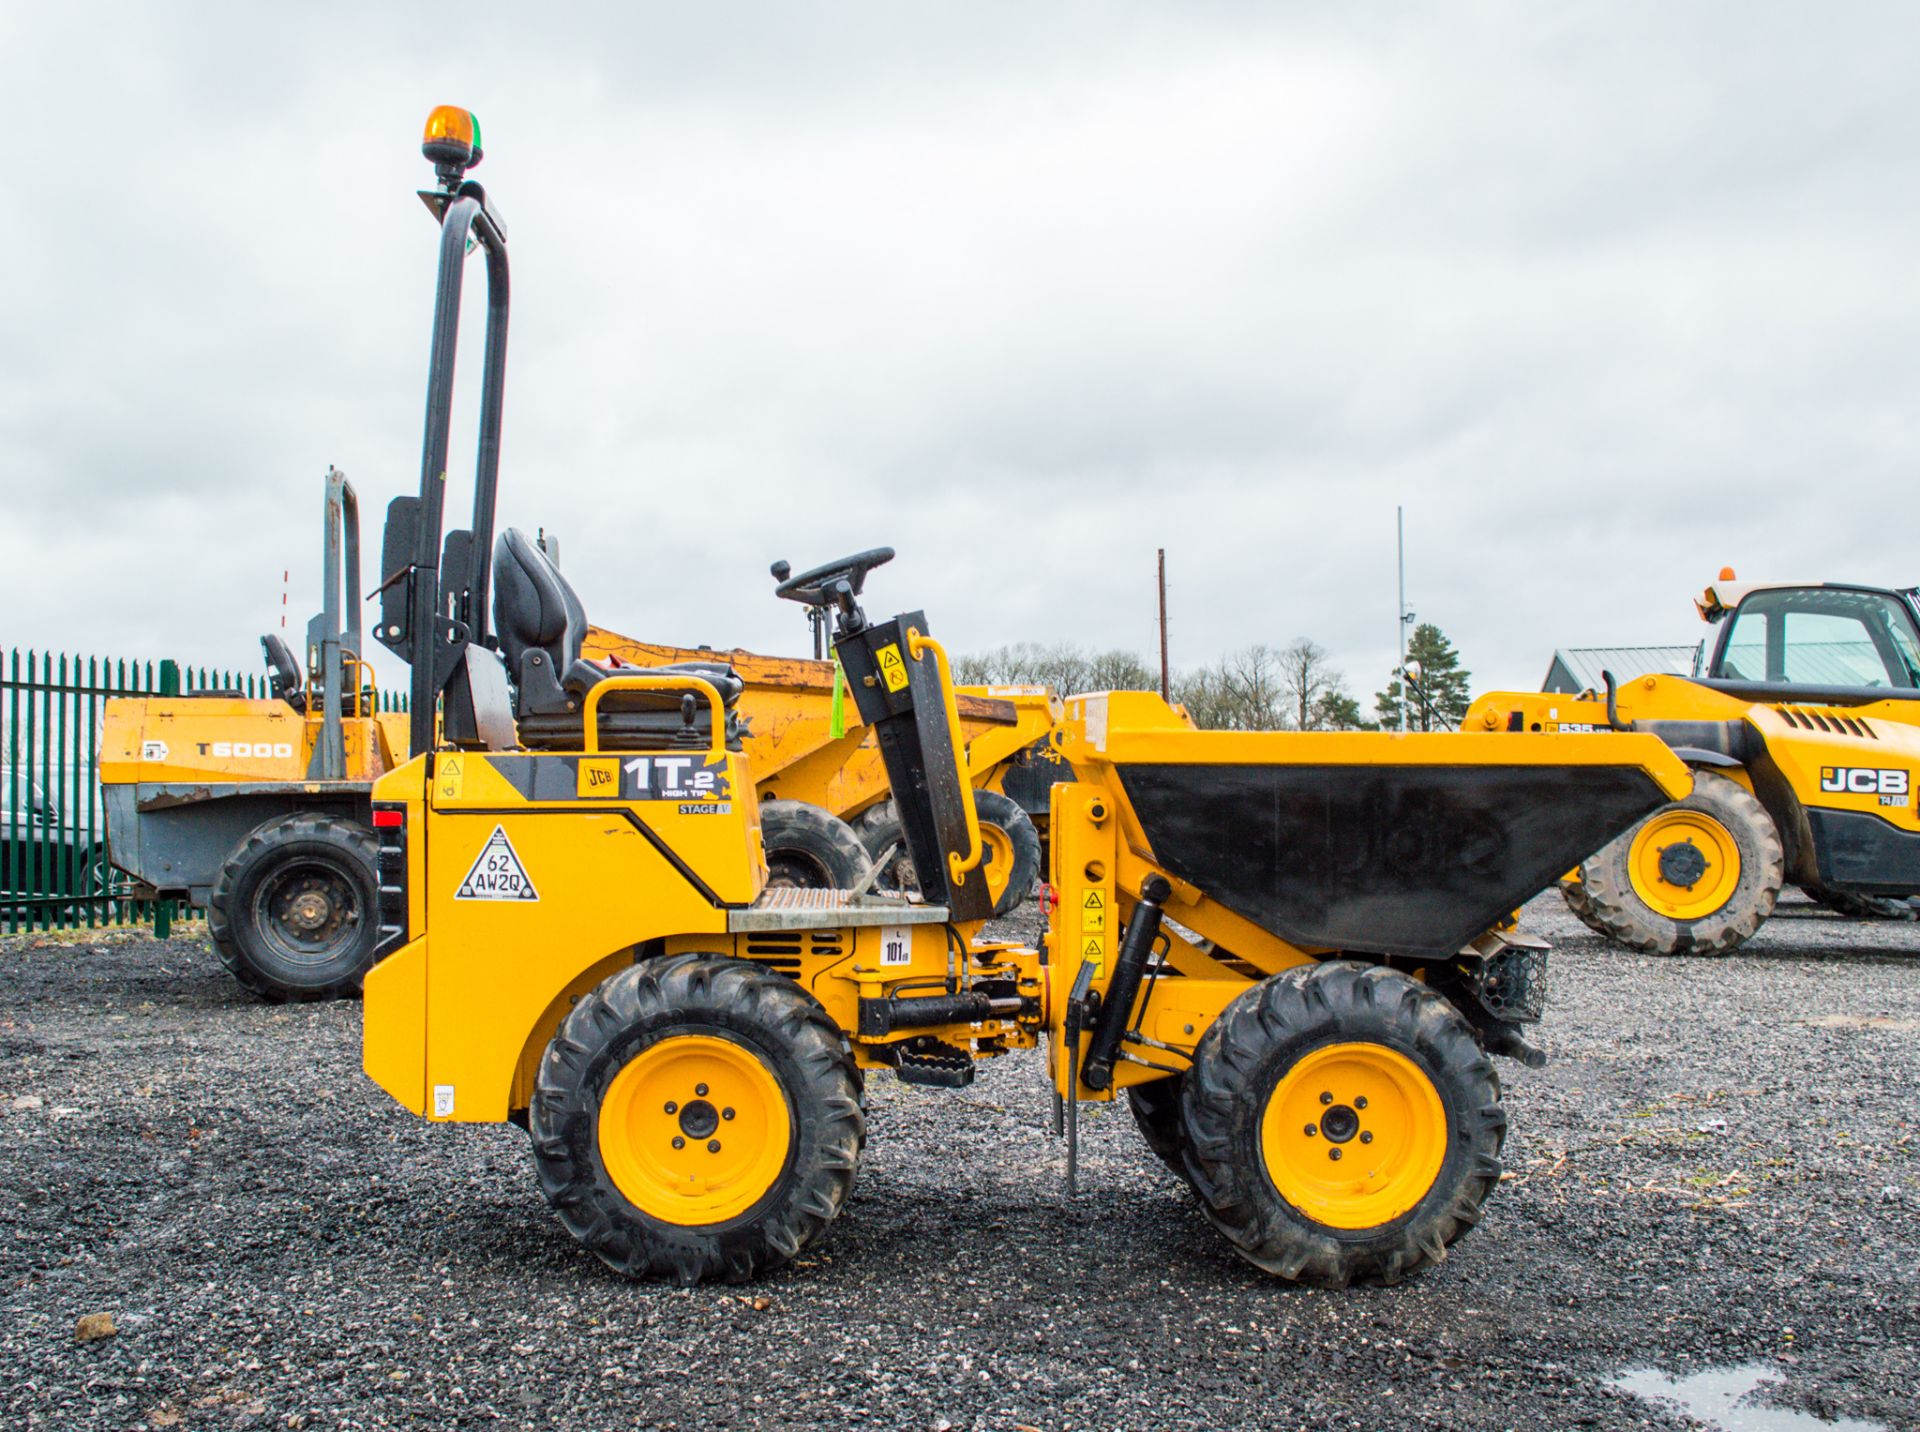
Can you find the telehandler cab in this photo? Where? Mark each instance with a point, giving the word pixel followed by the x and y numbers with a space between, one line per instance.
pixel 1802 726
pixel 1293 953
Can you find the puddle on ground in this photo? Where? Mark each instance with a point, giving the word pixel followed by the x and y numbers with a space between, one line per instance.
pixel 1723 1397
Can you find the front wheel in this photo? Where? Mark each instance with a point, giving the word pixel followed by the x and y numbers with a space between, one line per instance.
pixel 697 1117
pixel 293 910
pixel 1697 877
pixel 1341 1122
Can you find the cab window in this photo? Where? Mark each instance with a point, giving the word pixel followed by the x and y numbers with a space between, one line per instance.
pixel 1821 637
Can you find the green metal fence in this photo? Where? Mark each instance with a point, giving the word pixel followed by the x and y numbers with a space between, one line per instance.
pixel 54 871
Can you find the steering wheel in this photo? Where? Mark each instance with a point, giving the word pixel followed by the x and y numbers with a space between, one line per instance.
pixel 815 587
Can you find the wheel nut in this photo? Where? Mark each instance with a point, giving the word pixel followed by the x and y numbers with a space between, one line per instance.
pixel 713 1146
pixel 726 1113
pixel 678 1142
pixel 701 1090
pixel 1366 1136
pixel 1334 1154
pixel 1312 1129
pixel 1326 1098
pixel 672 1108
pixel 1360 1102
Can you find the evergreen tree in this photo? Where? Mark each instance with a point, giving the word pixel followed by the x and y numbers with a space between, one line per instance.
pixel 1445 685
pixel 1337 711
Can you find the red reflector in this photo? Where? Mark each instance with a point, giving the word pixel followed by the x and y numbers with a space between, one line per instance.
pixel 388 819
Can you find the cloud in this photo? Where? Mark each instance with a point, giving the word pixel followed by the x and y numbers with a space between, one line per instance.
pixel 1606 296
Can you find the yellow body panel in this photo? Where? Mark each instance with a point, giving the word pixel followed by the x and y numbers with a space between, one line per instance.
pixel 393 1047
pixel 601 886
pixel 226 740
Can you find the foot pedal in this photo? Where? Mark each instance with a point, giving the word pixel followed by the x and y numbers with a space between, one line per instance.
pixel 933 1062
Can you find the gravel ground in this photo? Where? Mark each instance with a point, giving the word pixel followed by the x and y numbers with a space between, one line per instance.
pixel 1720 1166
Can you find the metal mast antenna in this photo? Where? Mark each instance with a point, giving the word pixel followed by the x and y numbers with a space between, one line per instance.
pixel 1400 670
pixel 1166 684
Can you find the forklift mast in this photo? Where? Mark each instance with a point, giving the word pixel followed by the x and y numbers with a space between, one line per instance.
pixel 333 633
pixel 433 607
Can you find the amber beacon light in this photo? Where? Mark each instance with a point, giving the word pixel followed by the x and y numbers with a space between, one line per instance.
pixel 451 140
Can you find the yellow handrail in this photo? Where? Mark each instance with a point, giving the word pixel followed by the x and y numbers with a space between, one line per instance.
pixel 366 691
pixel 957 865
pixel 662 682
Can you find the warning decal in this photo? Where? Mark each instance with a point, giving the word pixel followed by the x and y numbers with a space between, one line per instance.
pixel 893 670
pixel 497 874
pixel 1093 913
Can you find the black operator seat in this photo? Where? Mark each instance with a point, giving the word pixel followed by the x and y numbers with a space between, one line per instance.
pixel 541 626
pixel 283 673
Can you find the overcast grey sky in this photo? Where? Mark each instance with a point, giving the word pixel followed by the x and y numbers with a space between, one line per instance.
pixel 1606 294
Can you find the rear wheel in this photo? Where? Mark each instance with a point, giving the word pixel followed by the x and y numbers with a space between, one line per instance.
pixel 810 849
pixel 1341 1122
pixel 1010 848
pixel 697 1117
pixel 1698 877
pixel 292 913
pixel 1574 892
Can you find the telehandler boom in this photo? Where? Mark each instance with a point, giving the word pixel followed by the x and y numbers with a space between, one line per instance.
pixel 1293 953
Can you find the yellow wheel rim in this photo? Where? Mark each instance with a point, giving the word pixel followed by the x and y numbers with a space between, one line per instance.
pixel 997 860
pixel 1684 864
pixel 1354 1135
pixel 725 1110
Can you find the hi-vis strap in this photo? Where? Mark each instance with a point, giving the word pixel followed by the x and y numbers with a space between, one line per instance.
pixel 837 722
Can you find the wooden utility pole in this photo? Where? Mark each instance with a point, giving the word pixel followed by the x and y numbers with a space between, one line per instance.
pixel 1166 683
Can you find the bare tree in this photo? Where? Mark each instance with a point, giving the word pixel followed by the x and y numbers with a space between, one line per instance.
pixel 1120 671
pixel 1306 675
pixel 1204 694
pixel 1255 687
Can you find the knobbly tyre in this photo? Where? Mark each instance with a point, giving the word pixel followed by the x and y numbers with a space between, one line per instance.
pixel 1293 953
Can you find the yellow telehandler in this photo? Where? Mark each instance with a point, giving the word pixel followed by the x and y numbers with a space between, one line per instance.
pixel 1293 953
pixel 1802 726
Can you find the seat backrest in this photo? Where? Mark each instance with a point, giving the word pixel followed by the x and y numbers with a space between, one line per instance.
pixel 283 672
pixel 534 607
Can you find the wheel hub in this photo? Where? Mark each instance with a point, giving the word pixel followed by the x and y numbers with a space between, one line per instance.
pixel 1353 1135
pixel 1339 1124
pixel 694 1130
pixel 699 1119
pixel 309 911
pixel 1682 864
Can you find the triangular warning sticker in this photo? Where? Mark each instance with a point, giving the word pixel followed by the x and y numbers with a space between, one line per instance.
pixel 1092 950
pixel 1094 901
pixel 497 874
